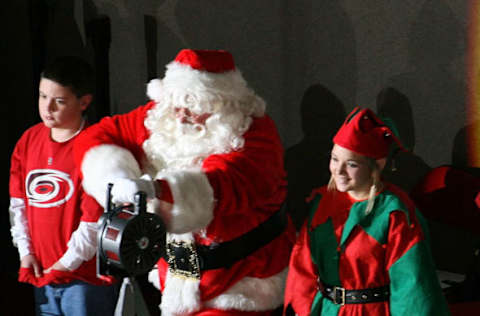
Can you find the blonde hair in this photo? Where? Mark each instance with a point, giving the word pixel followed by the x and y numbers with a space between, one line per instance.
pixel 376 186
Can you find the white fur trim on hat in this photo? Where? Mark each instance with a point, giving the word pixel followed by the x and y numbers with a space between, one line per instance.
pixel 183 86
pixel 104 163
pixel 154 89
pixel 193 201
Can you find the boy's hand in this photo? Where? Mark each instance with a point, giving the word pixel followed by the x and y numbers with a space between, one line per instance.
pixel 30 261
pixel 56 266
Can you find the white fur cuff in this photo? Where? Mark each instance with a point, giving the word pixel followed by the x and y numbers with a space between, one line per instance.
pixel 193 201
pixel 104 163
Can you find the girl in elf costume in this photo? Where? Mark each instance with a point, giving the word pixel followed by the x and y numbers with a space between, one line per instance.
pixel 363 249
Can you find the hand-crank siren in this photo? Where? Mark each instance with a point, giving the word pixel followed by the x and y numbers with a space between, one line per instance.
pixel 130 240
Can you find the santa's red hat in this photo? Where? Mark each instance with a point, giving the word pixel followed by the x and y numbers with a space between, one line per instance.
pixel 214 61
pixel 365 134
pixel 211 74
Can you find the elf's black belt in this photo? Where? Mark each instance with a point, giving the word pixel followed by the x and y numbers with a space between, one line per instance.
pixel 189 259
pixel 341 296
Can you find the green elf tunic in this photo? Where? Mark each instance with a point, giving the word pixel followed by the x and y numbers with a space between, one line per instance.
pixel 342 246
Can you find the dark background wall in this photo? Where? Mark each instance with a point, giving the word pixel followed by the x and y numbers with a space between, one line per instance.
pixel 312 61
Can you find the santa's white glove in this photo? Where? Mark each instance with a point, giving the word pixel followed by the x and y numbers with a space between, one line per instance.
pixel 124 189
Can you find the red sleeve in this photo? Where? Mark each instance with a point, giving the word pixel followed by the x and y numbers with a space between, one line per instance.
pixel 249 184
pixel 403 234
pixel 252 177
pixel 125 130
pixel 165 192
pixel 301 286
pixel 404 228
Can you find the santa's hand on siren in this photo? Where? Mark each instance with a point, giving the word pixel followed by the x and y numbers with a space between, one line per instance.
pixel 125 189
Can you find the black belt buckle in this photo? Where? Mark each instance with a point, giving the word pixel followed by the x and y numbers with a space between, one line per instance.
pixel 339 295
pixel 183 259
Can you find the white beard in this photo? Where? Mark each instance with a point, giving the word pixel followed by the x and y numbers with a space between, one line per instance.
pixel 174 145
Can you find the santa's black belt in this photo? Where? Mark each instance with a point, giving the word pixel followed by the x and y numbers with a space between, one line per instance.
pixel 341 296
pixel 189 259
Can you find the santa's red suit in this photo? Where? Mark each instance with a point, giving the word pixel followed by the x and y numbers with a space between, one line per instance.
pixel 209 199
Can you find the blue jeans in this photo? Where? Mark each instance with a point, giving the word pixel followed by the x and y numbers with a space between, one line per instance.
pixel 75 299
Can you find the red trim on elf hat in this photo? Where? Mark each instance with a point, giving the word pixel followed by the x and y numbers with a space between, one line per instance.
pixel 216 61
pixel 364 133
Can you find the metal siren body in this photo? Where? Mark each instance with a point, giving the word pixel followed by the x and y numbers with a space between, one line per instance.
pixel 130 241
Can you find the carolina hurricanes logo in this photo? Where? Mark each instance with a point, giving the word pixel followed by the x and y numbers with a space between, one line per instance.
pixel 48 187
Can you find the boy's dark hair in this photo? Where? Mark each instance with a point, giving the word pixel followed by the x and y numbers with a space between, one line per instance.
pixel 72 72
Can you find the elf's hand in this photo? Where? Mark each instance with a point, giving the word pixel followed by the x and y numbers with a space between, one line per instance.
pixel 124 189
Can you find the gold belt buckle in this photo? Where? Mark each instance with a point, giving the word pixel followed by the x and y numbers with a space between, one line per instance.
pixel 342 295
pixel 183 259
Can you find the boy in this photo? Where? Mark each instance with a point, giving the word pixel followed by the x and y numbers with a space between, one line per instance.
pixel 53 220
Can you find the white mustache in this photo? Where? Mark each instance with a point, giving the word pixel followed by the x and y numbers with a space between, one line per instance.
pixel 193 131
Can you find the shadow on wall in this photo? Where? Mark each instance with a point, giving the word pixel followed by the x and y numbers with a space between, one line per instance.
pixel 307 162
pixel 320 46
pixel 435 90
pixel 461 149
pixel 332 49
pixel 163 38
pixel 405 169
pixel 465 149
pixel 320 42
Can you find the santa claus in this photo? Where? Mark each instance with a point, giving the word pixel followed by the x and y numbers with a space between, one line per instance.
pixel 211 163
